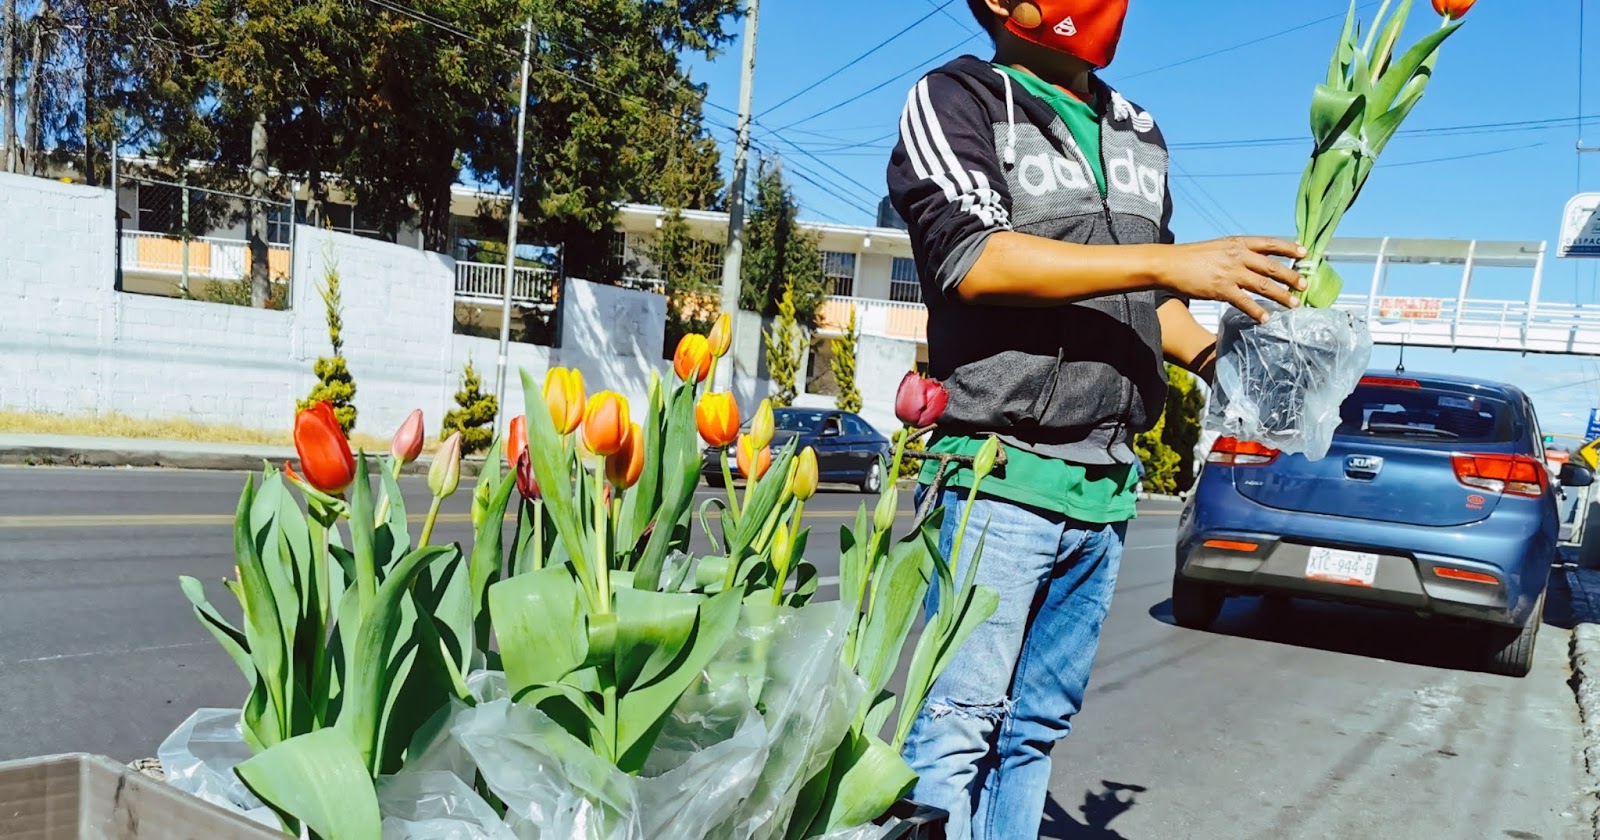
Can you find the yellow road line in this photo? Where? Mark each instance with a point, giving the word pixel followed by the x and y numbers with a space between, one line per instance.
pixel 196 520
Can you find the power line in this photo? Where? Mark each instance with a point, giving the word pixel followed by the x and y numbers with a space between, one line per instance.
pixel 1510 127
pixel 1380 163
pixel 1242 45
pixel 857 60
pixel 1200 209
pixel 880 86
pixel 1237 227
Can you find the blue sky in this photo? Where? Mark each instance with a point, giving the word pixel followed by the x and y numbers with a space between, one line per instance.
pixel 1233 70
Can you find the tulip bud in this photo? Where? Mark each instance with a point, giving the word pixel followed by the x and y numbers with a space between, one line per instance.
pixel 920 402
pixel 692 361
pixel 803 475
pixel 721 337
pixel 763 425
pixel 445 474
pixel 407 442
pixel 717 418
pixel 624 466
pixel 983 462
pixel 1453 9
pixel 516 441
pixel 325 456
pixel 563 393
pixel 754 461
pixel 782 545
pixel 605 424
pixel 527 484
pixel 888 505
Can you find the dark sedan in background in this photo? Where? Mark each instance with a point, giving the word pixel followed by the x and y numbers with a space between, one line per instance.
pixel 849 450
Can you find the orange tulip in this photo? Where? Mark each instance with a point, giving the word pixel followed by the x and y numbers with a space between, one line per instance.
pixel 1453 9
pixel 605 424
pixel 516 441
pixel 692 361
pixel 624 466
pixel 717 417
pixel 407 442
pixel 753 461
pixel 324 452
pixel 563 392
pixel 721 338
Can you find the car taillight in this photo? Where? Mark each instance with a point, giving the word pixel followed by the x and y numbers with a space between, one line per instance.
pixel 1516 475
pixel 1232 452
pixel 1389 382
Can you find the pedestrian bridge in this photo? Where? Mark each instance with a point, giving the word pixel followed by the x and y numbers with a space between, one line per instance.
pixel 1466 319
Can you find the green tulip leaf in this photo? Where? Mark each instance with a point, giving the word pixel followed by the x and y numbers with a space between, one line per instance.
pixel 231 638
pixel 317 779
pixel 553 470
pixel 1335 114
pixel 1401 72
pixel 538 620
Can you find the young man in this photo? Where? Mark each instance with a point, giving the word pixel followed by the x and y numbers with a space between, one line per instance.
pixel 1038 207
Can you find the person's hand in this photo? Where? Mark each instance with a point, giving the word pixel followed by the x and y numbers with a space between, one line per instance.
pixel 1231 270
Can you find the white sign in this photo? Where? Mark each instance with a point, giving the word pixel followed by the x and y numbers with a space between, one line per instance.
pixel 1580 227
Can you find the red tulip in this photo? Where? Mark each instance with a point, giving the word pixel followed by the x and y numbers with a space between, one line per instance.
pixel 1453 9
pixel 407 442
pixel 753 461
pixel 921 401
pixel 624 466
pixel 527 485
pixel 324 452
pixel 516 440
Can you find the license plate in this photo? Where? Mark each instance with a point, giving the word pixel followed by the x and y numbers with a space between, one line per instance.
pixel 1351 567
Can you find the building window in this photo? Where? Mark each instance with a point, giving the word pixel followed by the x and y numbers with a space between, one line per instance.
pixel 903 284
pixel 840 270
pixel 280 222
pixel 345 219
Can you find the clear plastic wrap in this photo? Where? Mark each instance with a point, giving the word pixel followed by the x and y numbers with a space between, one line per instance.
pixel 199 756
pixel 1281 383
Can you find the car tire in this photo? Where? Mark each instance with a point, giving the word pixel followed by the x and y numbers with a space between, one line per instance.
pixel 1195 604
pixel 1511 650
pixel 715 481
pixel 872 482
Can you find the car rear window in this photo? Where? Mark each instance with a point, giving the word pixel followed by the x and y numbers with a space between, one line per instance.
pixel 1426 415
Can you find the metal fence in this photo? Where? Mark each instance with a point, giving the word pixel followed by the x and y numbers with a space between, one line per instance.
pixel 180 240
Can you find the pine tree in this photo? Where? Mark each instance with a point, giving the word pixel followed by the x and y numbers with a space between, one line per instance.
pixel 475 417
pixel 334 382
pixel 779 255
pixel 784 351
pixel 844 367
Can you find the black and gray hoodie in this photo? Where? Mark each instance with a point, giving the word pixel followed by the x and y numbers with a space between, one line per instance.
pixel 977 155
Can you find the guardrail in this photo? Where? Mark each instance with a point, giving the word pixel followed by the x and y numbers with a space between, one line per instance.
pixel 882 318
pixel 199 257
pixel 486 282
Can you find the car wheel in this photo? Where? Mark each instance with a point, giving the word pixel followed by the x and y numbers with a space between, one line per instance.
pixel 1195 604
pixel 872 482
pixel 715 481
pixel 1511 650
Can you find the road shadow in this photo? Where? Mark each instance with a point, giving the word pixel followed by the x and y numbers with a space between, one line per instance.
pixel 1369 632
pixel 1097 812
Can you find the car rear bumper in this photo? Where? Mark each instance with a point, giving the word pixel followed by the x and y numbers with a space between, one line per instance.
pixel 1403 581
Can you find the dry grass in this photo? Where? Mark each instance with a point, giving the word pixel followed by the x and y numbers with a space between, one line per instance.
pixel 122 426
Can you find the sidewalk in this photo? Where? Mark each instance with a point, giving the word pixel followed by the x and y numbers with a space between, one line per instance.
pixel 75 451
pixel 1580 589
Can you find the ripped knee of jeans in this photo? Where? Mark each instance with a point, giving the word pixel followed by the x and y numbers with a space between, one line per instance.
pixel 993 712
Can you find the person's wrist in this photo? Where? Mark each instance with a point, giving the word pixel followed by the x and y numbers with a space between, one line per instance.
pixel 1153 267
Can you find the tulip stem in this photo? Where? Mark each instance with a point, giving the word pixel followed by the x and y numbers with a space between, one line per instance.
pixel 602 562
pixel 538 536
pixel 785 563
pixel 727 482
pixel 427 524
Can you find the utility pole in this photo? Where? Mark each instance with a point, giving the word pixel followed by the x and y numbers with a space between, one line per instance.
pixel 511 232
pixel 733 257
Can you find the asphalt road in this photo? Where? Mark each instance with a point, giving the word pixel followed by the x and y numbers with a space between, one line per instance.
pixel 1323 722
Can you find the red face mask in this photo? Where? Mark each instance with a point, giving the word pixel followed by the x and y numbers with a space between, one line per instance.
pixel 1088 29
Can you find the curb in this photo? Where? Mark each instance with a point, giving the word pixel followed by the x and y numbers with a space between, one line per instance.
pixel 1585 654
pixel 61 456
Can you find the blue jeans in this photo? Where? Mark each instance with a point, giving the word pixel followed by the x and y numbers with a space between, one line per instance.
pixel 981 744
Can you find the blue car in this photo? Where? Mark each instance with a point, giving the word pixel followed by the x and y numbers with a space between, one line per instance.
pixel 849 450
pixel 1435 498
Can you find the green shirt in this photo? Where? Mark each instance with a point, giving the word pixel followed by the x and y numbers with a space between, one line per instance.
pixel 1079 116
pixel 1099 495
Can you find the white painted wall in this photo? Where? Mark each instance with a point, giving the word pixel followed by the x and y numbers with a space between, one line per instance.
pixel 71 344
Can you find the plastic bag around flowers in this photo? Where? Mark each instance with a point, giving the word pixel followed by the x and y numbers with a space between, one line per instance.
pixel 1280 384
pixel 199 756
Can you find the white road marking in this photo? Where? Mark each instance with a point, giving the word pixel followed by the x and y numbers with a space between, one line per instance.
pixel 61 656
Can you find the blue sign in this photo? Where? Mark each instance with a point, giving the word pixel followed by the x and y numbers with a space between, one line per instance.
pixel 1594 425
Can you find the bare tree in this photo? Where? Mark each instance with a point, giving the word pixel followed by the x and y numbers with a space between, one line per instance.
pixel 260 278
pixel 9 55
pixel 33 147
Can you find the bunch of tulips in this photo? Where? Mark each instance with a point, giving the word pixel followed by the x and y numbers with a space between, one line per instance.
pixel 357 643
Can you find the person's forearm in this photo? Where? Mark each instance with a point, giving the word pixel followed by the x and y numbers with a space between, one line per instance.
pixel 1185 343
pixel 1016 269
